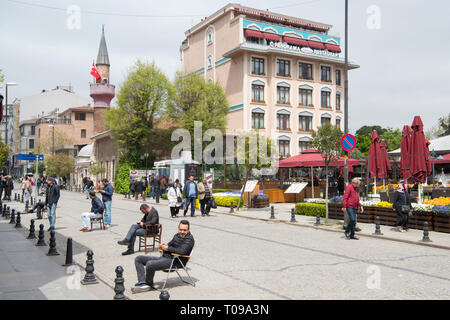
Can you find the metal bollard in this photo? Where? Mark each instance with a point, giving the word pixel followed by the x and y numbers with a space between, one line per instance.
pixel 32 234
pixel 8 212
pixel 69 253
pixel 21 199
pixel 272 212
pixel 164 295
pixel 41 236
pixel 426 237
pixel 377 226
pixel 52 246
pixel 318 218
pixel 27 206
pixel 3 208
pixel 119 287
pixel 89 277
pixel 293 216
pixel 232 207
pixel 18 221
pixel 13 216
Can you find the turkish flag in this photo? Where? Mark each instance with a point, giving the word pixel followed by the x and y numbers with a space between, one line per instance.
pixel 94 72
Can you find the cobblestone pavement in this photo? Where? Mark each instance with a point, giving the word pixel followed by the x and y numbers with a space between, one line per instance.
pixel 237 258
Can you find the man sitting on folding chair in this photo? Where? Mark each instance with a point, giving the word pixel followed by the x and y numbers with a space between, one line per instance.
pixel 181 244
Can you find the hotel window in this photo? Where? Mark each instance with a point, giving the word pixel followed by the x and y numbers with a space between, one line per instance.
pixel 283 91
pixel 325 74
pixel 338 77
pixel 283 68
pixel 31 144
pixel 283 146
pixel 81 116
pixel 338 101
pixel 258 66
pixel 283 119
pixel 258 119
pixel 338 122
pixel 305 96
pixel 33 130
pixel 305 71
pixel 304 144
pixel 325 98
pixel 305 122
pixel 83 133
pixel 258 91
pixel 325 119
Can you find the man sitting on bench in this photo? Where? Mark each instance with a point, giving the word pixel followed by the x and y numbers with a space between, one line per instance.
pixel 182 243
pixel 150 217
pixel 95 213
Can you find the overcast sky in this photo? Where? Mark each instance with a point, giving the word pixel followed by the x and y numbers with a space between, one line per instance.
pixel 404 56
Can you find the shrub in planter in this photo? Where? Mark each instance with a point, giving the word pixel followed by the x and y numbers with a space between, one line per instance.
pixel 310 209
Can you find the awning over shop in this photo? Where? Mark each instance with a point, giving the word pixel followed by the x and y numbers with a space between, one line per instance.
pixel 332 47
pixel 296 42
pixel 316 45
pixel 312 158
pixel 253 34
pixel 271 36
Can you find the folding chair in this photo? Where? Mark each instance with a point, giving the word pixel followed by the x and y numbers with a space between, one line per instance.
pixel 174 267
pixel 151 231
pixel 98 220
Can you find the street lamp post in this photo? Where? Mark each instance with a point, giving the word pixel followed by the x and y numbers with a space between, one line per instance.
pixel 8 84
pixel 346 90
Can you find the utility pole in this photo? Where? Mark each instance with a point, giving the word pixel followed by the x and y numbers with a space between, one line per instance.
pixel 346 91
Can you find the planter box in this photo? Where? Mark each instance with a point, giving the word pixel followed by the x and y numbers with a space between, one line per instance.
pixel 417 220
pixel 441 222
pixel 260 203
pixel 388 217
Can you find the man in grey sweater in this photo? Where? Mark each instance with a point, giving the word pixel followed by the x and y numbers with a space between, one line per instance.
pixel 182 243
pixel 151 217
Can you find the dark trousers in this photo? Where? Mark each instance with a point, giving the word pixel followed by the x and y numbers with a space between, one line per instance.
pixel 190 201
pixel 352 222
pixel 135 231
pixel 205 205
pixel 147 265
pixel 402 220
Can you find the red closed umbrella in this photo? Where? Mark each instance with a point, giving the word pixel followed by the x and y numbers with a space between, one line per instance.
pixel 385 157
pixel 375 163
pixel 405 171
pixel 419 152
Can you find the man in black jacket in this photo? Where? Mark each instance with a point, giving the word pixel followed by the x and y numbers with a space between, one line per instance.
pixel 151 217
pixel 96 212
pixel 182 243
pixel 51 201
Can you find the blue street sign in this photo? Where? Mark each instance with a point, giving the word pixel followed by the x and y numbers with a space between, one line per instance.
pixel 348 142
pixel 30 157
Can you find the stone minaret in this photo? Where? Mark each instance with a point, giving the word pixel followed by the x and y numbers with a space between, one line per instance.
pixel 102 91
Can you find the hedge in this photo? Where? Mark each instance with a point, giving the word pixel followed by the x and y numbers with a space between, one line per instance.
pixel 310 209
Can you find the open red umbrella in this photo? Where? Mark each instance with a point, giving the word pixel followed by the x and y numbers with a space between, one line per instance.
pixel 385 157
pixel 419 152
pixel 375 163
pixel 405 171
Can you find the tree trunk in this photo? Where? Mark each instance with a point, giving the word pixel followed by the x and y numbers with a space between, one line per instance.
pixel 242 193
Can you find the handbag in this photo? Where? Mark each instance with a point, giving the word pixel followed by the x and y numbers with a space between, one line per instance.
pixel 406 209
pixel 213 203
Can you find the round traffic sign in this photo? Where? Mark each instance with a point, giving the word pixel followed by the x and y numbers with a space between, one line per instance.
pixel 348 142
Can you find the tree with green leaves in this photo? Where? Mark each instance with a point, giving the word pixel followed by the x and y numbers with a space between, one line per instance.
pixel 367 130
pixel 393 138
pixel 96 169
pixel 41 168
pixel 4 153
pixel 60 165
pixel 444 124
pixel 142 100
pixel 197 100
pixel 327 141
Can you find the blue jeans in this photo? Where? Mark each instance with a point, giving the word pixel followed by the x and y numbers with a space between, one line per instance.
pixel 107 214
pixel 27 197
pixel 351 224
pixel 134 231
pixel 190 201
pixel 87 193
pixel 51 212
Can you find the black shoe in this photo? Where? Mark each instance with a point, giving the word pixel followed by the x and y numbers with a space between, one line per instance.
pixel 123 242
pixel 184 214
pixel 357 230
pixel 347 235
pixel 354 238
pixel 128 252
pixel 50 229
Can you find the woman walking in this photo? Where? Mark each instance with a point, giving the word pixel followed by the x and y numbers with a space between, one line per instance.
pixel 174 197
pixel 402 205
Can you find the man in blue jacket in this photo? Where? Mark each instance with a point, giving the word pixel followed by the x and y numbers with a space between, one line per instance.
pixel 107 193
pixel 51 200
pixel 190 193
pixel 96 212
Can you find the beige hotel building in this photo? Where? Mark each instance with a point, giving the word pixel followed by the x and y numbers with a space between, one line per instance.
pixel 284 76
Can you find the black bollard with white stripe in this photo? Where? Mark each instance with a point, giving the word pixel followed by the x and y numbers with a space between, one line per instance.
pixel 52 246
pixel 272 212
pixel 377 227
pixel 69 253
pixel 13 216
pixel 231 207
pixel 318 218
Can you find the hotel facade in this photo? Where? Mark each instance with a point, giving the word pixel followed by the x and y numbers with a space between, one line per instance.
pixel 283 76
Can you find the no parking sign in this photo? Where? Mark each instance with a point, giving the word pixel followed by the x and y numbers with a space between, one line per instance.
pixel 348 142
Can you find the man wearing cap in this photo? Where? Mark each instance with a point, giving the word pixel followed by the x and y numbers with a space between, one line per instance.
pixel 350 204
pixel 51 201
